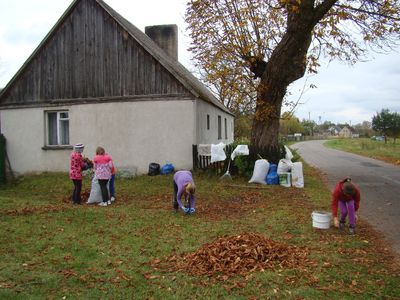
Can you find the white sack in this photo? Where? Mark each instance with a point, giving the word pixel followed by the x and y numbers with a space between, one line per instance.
pixel 260 171
pixel 240 150
pixel 284 166
pixel 95 192
pixel 217 152
pixel 289 154
pixel 297 175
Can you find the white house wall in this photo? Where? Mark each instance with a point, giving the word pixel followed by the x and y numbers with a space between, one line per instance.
pixel 133 133
pixel 210 136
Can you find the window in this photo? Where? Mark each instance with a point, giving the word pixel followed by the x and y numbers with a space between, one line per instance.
pixel 226 128
pixel 57 128
pixel 208 122
pixel 219 128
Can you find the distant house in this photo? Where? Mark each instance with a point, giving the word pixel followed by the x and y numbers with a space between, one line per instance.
pixel 97 79
pixel 348 132
pixel 334 130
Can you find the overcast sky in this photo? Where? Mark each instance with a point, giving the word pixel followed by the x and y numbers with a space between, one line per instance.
pixel 343 93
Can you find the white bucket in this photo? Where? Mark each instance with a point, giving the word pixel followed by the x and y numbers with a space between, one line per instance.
pixel 321 219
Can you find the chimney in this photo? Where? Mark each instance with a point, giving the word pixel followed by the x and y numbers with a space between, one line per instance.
pixel 166 37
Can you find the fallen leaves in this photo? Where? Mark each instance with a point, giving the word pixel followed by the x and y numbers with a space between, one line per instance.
pixel 68 273
pixel 32 210
pixel 237 255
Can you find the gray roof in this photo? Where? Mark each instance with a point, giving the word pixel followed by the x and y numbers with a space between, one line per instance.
pixel 172 65
pixel 185 77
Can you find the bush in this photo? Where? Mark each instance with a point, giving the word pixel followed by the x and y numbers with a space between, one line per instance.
pixel 244 166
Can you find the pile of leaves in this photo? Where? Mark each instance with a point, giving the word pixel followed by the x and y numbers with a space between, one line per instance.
pixel 229 256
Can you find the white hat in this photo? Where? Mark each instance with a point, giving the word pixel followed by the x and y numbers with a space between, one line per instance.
pixel 79 147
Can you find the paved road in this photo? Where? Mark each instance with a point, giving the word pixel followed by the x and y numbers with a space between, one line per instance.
pixel 379 183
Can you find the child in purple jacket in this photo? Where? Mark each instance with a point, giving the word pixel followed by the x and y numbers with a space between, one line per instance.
pixel 184 186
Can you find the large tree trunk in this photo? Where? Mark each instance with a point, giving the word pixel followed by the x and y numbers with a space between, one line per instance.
pixel 268 111
pixel 265 129
pixel 286 64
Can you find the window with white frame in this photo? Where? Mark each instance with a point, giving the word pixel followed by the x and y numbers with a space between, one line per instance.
pixel 57 128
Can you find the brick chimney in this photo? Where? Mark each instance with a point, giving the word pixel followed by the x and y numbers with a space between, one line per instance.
pixel 166 37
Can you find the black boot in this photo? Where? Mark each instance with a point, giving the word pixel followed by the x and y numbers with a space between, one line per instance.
pixel 341 225
pixel 175 204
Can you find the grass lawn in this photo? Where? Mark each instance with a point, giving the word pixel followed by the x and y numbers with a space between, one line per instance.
pixel 389 152
pixel 244 242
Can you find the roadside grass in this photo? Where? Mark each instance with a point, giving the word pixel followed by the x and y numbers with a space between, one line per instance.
pixel 51 249
pixel 389 152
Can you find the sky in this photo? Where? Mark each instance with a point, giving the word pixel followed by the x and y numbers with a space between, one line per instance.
pixel 344 94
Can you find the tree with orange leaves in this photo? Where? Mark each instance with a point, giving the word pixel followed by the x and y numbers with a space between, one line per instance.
pixel 250 51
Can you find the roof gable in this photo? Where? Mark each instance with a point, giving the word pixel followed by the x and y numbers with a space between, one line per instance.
pixel 94 53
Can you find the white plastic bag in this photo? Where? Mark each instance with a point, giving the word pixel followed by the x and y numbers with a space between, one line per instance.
pixel 240 150
pixel 260 171
pixel 284 166
pixel 217 152
pixel 95 192
pixel 297 175
pixel 289 154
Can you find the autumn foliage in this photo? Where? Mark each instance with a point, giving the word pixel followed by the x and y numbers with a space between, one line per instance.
pixel 250 51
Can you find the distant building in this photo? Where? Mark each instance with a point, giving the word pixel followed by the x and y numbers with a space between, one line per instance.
pixel 334 130
pixel 348 132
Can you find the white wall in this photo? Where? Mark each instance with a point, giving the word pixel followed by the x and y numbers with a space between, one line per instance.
pixel 205 136
pixel 24 133
pixel 133 133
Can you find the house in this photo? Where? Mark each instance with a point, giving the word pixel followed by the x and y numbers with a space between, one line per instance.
pixel 334 130
pixel 348 132
pixel 97 79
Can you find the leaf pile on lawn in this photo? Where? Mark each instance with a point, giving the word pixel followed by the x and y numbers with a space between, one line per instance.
pixel 242 254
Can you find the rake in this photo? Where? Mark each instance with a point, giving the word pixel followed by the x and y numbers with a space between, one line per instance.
pixel 227 175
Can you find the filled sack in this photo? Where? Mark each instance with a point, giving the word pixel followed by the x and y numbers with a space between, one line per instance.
pixel 272 176
pixel 154 169
pixel 261 167
pixel 284 166
pixel 297 175
pixel 167 169
pixel 95 192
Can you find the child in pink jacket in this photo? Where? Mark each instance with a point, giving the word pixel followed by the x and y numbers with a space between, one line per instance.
pixel 75 172
pixel 102 168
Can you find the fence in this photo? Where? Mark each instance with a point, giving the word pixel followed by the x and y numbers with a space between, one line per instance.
pixel 203 162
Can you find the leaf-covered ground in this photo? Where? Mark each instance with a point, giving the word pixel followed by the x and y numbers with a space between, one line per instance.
pixel 245 241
